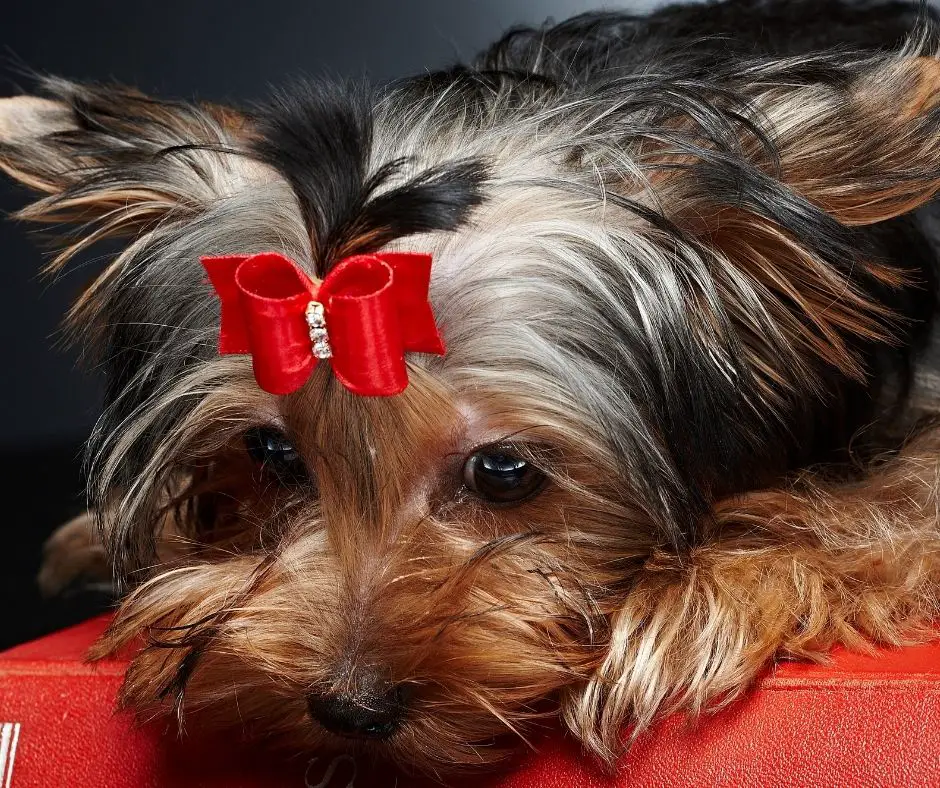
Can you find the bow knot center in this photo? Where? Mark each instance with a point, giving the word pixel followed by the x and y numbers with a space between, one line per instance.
pixel 315 316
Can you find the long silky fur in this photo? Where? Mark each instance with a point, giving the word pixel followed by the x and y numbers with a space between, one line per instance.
pixel 681 275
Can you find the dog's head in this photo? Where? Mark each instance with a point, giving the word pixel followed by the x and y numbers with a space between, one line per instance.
pixel 645 285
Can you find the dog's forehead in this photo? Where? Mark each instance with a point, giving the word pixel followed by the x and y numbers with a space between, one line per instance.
pixel 357 440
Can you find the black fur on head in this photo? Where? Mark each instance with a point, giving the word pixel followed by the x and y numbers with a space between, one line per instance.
pixel 318 135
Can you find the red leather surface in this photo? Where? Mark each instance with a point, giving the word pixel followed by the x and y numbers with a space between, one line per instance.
pixel 861 721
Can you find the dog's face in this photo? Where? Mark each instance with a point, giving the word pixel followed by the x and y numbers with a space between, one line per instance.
pixel 645 289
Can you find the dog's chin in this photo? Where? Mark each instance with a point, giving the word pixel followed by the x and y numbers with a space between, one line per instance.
pixel 421 744
pixel 431 680
pixel 448 729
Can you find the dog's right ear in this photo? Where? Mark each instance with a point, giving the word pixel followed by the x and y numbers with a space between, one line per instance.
pixel 116 157
pixel 110 162
pixel 26 119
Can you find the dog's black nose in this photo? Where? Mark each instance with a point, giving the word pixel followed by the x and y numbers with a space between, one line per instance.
pixel 374 714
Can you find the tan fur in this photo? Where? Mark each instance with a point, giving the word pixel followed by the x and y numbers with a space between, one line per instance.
pixel 782 574
pixel 74 553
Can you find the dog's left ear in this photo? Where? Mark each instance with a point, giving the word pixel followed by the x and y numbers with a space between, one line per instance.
pixel 866 151
pixel 773 174
pixel 754 184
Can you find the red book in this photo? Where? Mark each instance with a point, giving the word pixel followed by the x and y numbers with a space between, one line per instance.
pixel 860 721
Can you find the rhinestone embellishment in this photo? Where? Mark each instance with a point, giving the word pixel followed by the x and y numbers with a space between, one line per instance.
pixel 316 320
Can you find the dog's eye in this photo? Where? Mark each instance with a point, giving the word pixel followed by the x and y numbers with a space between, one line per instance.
pixel 497 476
pixel 273 452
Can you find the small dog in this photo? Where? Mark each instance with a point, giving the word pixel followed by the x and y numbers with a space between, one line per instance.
pixel 582 381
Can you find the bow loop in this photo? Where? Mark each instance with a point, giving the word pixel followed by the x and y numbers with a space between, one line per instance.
pixel 364 316
pixel 411 283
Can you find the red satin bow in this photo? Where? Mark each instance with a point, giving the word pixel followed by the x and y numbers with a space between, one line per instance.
pixel 374 309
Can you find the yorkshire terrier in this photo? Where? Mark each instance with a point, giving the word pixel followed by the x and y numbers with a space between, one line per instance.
pixel 583 381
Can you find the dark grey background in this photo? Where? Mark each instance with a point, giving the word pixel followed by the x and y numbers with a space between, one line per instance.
pixel 211 49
